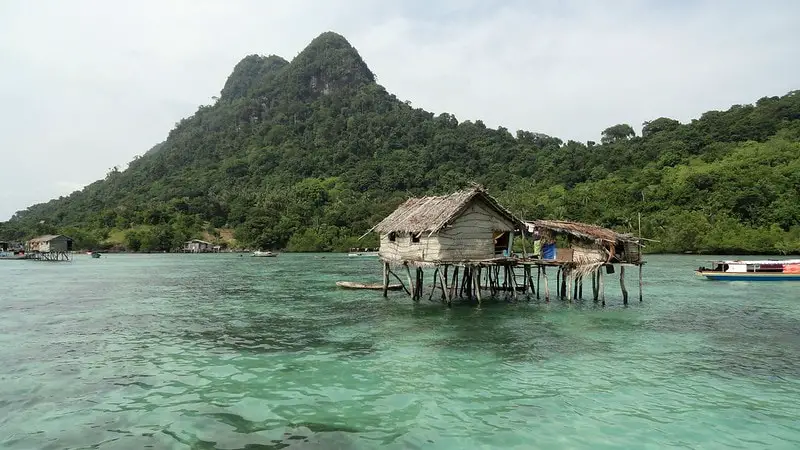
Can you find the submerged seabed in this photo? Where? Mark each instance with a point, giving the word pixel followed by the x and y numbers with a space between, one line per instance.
pixel 218 351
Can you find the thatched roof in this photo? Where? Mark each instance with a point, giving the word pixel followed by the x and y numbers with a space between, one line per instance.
pixel 48 238
pixel 583 230
pixel 430 214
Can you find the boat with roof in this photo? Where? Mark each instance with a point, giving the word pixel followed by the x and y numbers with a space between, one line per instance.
pixel 752 270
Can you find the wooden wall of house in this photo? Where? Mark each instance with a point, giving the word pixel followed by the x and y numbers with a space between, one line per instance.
pixel 60 245
pixel 468 238
pixel 403 249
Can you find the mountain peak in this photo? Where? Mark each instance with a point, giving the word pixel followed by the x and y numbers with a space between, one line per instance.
pixel 251 71
pixel 330 63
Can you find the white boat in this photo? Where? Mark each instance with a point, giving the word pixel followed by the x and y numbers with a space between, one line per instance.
pixel 264 254
pixel 752 270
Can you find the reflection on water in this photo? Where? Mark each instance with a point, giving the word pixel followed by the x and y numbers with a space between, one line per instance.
pixel 216 351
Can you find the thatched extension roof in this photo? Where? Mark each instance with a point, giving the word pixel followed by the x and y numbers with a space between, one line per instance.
pixel 583 231
pixel 431 214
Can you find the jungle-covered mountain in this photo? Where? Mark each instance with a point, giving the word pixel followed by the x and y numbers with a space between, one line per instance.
pixel 309 154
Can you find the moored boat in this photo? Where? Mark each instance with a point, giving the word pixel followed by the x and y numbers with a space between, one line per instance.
pixel 752 270
pixel 263 254
pixel 372 287
pixel 12 256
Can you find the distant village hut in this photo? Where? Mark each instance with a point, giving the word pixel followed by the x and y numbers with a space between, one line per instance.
pixel 50 247
pixel 585 251
pixel 197 246
pixel 468 229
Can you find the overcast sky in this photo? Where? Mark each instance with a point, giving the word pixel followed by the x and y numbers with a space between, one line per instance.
pixel 86 85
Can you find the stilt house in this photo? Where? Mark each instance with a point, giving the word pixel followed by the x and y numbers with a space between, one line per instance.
pixel 50 247
pixel 49 243
pixel 197 246
pixel 585 244
pixel 585 250
pixel 463 227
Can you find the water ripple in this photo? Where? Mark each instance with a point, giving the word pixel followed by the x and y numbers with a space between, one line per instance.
pixel 201 352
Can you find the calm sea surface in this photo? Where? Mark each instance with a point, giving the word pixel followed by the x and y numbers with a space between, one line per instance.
pixel 229 352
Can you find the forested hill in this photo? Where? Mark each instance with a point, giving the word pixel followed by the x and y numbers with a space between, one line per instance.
pixel 308 154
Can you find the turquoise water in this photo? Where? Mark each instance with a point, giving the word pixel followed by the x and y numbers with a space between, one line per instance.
pixel 218 351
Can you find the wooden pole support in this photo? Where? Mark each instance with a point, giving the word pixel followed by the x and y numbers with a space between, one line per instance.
pixel 385 279
pixel 622 285
pixel 640 282
pixel 411 285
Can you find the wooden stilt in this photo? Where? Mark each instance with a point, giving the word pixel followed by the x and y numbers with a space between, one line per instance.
pixel 640 282
pixel 568 279
pixel 435 280
pixel 514 285
pixel 538 281
pixel 453 286
pixel 471 283
pixel 490 276
pixel 558 282
pixel 594 285
pixel 400 281
pixel 580 287
pixel 622 285
pixel 421 283
pixel 443 281
pixel 524 280
pixel 464 279
pixel 534 290
pixel 478 286
pixel 385 279
pixel 546 288
pixel 602 288
pixel 411 285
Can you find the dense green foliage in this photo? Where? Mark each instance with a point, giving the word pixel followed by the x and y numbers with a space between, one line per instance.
pixel 310 154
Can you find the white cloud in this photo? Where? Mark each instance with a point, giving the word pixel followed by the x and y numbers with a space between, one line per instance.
pixel 88 84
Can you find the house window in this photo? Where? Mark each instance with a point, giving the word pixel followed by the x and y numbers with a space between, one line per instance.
pixel 415 238
pixel 392 236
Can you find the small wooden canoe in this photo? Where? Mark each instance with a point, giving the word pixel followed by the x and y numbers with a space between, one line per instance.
pixel 373 287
